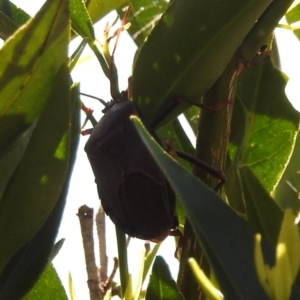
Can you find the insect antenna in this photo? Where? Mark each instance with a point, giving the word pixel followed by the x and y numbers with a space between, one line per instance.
pixel 96 98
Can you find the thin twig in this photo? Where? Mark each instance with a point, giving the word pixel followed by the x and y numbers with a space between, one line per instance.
pixel 100 224
pixel 85 215
pixel 107 285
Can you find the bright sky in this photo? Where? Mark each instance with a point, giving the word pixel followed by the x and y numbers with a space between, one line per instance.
pixel 82 187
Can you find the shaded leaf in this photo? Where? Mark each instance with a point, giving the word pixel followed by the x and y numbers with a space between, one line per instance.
pixel 37 184
pixel 216 227
pixel 27 265
pixel 179 57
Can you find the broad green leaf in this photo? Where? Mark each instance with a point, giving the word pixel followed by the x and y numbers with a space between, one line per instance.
pixel 37 183
pixel 28 64
pixel 188 50
pixel 264 124
pixel 81 22
pixel 28 264
pixel 98 9
pixel 48 287
pixel 162 286
pixel 222 234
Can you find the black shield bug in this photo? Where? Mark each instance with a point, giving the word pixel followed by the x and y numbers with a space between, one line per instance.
pixel 134 192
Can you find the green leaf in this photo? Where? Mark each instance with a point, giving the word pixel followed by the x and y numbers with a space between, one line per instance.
pixel 48 287
pixel 39 179
pixel 81 21
pixel 29 262
pixel 162 286
pixel 264 124
pixel 28 65
pixel 27 265
pixel 216 227
pixel 178 60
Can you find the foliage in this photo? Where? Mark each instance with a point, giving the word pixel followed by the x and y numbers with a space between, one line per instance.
pixel 207 52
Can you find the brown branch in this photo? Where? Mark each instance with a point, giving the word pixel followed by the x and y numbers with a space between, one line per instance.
pixel 85 215
pixel 100 224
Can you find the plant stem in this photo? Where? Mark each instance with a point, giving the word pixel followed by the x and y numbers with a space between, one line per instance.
pixel 123 265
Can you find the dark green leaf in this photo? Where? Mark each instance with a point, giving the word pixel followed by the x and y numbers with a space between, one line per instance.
pixel 188 50
pixel 40 250
pixel 28 65
pixel 39 179
pixel 222 234
pixel 162 286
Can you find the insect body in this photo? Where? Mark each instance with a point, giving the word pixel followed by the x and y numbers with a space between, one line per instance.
pixel 134 192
